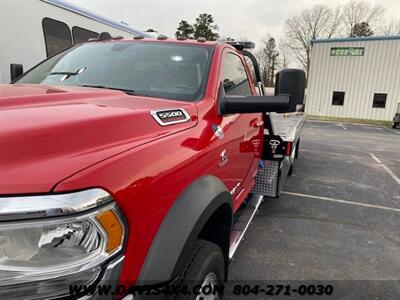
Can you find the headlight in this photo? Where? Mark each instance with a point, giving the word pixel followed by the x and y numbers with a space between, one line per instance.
pixel 68 239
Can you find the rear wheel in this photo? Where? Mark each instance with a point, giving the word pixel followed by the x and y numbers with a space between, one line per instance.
pixel 293 157
pixel 395 125
pixel 204 272
pixel 296 153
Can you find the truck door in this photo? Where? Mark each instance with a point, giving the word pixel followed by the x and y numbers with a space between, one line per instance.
pixel 243 132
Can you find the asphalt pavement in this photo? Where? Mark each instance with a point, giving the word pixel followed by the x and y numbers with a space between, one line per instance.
pixel 337 221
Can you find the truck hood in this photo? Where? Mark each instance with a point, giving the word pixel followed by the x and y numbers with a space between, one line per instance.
pixel 48 133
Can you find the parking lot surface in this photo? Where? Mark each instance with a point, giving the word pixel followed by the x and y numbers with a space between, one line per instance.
pixel 338 218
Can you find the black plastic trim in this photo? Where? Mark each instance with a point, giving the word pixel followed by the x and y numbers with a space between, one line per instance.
pixel 255 65
pixel 253 104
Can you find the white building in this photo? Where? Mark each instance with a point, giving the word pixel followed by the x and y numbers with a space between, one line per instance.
pixel 354 78
pixel 32 30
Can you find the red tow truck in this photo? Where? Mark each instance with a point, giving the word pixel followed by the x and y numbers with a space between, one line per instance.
pixel 137 162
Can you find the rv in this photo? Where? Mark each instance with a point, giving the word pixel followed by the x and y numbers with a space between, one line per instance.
pixel 32 30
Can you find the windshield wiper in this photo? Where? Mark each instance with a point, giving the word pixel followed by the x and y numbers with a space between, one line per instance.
pixel 127 91
pixel 68 74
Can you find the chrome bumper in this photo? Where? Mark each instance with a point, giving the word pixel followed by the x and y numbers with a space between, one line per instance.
pixel 110 278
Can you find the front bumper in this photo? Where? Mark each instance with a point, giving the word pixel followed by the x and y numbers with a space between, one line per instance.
pixel 107 286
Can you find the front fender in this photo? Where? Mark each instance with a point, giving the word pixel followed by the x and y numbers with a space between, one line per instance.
pixel 181 227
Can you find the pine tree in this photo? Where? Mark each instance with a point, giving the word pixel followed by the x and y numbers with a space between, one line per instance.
pixel 205 27
pixel 270 61
pixel 184 30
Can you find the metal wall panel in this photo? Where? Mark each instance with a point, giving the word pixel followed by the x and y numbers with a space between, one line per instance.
pixel 378 71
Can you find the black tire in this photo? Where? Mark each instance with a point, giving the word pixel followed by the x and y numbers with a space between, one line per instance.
pixel 291 169
pixel 206 259
pixel 395 125
pixel 296 154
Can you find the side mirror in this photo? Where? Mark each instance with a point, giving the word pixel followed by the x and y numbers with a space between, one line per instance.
pixel 291 82
pixel 16 70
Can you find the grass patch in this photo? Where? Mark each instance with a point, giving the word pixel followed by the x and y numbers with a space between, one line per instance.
pixel 350 120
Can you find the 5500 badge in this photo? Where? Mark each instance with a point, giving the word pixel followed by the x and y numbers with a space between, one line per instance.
pixel 170 116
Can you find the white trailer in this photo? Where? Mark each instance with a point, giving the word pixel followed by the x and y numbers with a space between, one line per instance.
pixel 32 30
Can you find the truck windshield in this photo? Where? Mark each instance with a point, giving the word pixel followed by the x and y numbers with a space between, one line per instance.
pixel 164 70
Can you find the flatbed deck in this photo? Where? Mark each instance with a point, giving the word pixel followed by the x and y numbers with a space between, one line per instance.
pixel 287 126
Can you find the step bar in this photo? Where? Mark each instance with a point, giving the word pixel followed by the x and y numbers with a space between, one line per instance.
pixel 241 225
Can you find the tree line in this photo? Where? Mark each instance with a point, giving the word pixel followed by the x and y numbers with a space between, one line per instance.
pixel 357 18
pixel 354 19
pixel 203 27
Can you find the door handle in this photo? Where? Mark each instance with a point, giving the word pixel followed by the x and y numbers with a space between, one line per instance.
pixel 259 123
pixel 256 123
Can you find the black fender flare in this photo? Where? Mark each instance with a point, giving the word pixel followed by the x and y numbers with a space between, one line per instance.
pixel 181 226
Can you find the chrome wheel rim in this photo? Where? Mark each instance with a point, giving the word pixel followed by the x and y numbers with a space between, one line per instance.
pixel 209 283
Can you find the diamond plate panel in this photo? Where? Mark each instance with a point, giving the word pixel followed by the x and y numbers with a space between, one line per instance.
pixel 267 179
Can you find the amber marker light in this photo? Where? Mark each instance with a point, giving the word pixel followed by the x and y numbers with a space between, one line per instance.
pixel 113 228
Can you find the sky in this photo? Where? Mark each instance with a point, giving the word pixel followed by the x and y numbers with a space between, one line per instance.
pixel 251 19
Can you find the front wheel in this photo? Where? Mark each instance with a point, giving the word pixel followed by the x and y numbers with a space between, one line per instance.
pixel 204 272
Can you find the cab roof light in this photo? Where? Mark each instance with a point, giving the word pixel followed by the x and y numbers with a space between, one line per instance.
pixel 241 45
pixel 105 36
pixel 181 38
pixel 201 39
pixel 162 37
pixel 138 37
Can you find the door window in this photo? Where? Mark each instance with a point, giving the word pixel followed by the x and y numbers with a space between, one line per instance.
pixel 234 76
